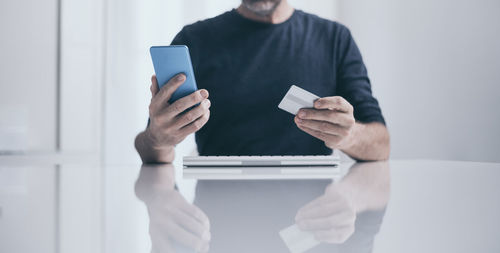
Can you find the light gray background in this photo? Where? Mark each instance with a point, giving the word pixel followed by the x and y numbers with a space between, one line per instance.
pixel 435 67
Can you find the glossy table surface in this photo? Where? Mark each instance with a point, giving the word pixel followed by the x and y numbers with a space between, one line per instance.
pixel 395 206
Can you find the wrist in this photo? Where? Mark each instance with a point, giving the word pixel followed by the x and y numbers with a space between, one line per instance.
pixel 151 152
pixel 353 195
pixel 350 140
pixel 154 143
pixel 349 194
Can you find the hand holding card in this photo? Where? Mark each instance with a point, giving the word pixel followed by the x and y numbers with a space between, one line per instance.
pixel 330 119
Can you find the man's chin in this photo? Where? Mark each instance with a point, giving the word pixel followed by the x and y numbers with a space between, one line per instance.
pixel 261 8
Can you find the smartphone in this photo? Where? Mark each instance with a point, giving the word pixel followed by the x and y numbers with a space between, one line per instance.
pixel 169 61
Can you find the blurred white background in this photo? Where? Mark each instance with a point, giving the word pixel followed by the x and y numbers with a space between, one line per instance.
pixel 74 75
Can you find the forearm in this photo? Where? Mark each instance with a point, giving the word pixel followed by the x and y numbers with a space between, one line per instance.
pixel 368 142
pixel 367 185
pixel 150 153
pixel 154 179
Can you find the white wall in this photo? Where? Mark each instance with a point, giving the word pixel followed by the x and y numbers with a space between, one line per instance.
pixel 28 75
pixel 435 69
pixel 82 69
pixel 45 108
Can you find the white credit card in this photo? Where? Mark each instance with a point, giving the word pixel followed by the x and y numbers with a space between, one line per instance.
pixel 297 98
pixel 298 241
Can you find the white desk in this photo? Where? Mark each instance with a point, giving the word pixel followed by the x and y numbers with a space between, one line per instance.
pixel 434 206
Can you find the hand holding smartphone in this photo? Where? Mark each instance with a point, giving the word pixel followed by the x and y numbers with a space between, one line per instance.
pixel 177 108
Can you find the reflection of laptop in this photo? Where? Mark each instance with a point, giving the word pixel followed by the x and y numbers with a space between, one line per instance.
pixel 260 167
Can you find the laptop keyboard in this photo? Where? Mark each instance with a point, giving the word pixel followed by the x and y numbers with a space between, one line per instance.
pixel 260 161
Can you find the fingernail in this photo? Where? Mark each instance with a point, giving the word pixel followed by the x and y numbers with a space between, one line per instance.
pixel 204 93
pixel 206 103
pixel 181 77
pixel 318 103
pixel 299 120
pixel 302 114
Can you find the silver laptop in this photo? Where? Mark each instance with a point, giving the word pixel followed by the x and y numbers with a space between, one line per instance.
pixel 260 167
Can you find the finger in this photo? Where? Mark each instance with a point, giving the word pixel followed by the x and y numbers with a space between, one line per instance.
pixel 333 103
pixel 339 218
pixel 165 93
pixel 190 223
pixel 196 213
pixel 324 127
pixel 159 242
pixel 322 136
pixel 154 86
pixel 313 204
pixel 186 102
pixel 193 211
pixel 335 117
pixel 205 248
pixel 322 207
pixel 185 237
pixel 195 125
pixel 189 116
pixel 319 211
pixel 326 199
pixel 338 235
pixel 312 132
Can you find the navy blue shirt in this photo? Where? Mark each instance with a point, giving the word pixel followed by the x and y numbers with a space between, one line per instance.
pixel 248 66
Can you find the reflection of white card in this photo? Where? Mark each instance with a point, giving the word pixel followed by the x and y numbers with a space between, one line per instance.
pixel 298 241
pixel 297 98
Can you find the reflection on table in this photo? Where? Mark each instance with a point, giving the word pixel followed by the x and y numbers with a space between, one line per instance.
pixel 247 215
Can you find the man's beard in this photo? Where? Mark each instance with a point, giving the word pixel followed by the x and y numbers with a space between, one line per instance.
pixel 261 7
